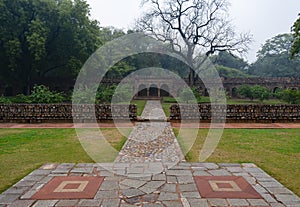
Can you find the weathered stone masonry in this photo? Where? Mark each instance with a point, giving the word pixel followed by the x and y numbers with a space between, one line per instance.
pixel 237 113
pixel 33 113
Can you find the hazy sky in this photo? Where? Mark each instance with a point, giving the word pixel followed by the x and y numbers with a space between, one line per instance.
pixel 262 18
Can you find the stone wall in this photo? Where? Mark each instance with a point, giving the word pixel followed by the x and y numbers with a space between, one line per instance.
pixel 35 113
pixel 238 113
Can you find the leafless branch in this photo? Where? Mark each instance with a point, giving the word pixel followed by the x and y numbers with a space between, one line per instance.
pixel 193 27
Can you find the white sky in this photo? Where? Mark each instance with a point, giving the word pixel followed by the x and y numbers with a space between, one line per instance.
pixel 262 18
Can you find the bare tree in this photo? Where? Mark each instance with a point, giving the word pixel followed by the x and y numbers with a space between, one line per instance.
pixel 193 28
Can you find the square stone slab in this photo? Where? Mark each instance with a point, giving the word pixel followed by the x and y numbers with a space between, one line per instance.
pixel 225 187
pixel 71 187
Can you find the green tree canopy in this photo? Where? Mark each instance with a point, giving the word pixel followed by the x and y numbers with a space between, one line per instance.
pixel 254 92
pixel 40 38
pixel 296 33
pixel 227 59
pixel 273 59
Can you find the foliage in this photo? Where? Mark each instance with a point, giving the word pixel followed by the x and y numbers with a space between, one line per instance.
pixel 229 60
pixel 4 100
pixel 273 59
pixel 42 94
pixel 296 34
pixel 21 98
pixel 231 72
pixel 120 70
pixel 254 92
pixel 44 38
pixel 187 95
pixel 196 94
pixel 105 93
pixel 123 93
pixel 245 91
pixel 110 33
pixel 261 93
pixel 90 95
pixel 85 95
pixel 290 96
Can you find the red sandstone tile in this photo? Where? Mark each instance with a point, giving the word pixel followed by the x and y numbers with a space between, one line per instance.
pixel 69 188
pixel 225 187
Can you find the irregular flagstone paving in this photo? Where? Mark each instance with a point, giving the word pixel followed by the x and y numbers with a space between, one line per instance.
pixel 149 172
pixel 172 187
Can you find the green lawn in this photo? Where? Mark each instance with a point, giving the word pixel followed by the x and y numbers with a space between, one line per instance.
pixel 166 108
pixel 277 151
pixel 140 106
pixel 23 150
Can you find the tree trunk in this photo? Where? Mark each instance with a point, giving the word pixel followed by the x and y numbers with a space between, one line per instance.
pixel 192 77
pixel 28 84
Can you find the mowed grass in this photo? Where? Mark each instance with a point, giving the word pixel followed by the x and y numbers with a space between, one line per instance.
pixel 277 151
pixel 140 106
pixel 23 150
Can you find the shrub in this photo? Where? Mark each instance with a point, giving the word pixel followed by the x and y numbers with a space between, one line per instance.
pixel 42 94
pixel 289 95
pixel 261 93
pixel 186 95
pixel 123 94
pixel 196 94
pixel 85 95
pixel 4 100
pixel 245 91
pixel 254 92
pixel 105 93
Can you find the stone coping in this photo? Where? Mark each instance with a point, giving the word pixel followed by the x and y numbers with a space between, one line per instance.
pixel 173 124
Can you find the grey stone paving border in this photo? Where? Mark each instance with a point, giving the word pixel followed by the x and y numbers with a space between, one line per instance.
pixel 173 187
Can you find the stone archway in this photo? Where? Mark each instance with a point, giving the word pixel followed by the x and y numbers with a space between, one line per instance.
pixel 276 89
pixel 153 90
pixel 206 92
pixel 143 92
pixel 164 91
pixel 234 92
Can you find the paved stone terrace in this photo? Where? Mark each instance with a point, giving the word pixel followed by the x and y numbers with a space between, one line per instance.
pixel 171 188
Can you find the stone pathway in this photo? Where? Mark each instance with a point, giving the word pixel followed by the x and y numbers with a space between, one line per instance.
pixel 173 187
pixel 152 141
pixel 153 111
pixel 149 172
